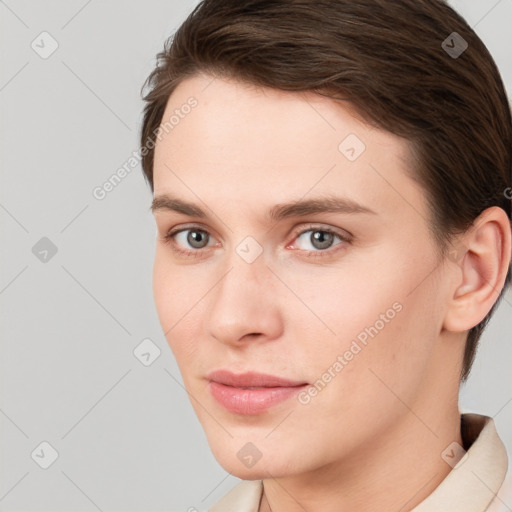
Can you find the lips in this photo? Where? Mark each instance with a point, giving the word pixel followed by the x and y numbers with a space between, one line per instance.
pixel 251 379
pixel 251 393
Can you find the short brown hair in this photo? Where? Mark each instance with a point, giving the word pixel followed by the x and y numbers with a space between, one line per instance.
pixel 391 60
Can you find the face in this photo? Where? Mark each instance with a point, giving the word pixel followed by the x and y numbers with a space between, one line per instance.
pixel 324 303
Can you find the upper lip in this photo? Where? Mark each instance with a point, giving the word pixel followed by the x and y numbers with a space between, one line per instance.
pixel 251 379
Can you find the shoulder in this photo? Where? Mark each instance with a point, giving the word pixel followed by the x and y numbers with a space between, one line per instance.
pixel 503 500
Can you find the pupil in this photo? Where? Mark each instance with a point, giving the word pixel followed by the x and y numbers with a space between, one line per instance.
pixel 194 236
pixel 322 237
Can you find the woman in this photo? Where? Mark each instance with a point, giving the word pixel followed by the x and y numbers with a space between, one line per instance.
pixel 330 190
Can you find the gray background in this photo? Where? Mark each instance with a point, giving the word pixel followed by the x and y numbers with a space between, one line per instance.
pixel 126 435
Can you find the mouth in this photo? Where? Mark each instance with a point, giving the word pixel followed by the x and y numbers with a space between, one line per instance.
pixel 251 393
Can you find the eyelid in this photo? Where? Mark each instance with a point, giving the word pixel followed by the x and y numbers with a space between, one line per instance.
pixel 171 233
pixel 343 235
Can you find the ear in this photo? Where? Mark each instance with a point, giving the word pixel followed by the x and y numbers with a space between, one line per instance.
pixel 483 254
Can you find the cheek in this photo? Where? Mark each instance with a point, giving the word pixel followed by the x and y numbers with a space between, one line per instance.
pixel 175 289
pixel 385 319
pixel 361 386
pixel 172 296
pixel 162 290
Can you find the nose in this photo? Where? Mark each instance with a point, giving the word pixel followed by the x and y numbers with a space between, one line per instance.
pixel 245 304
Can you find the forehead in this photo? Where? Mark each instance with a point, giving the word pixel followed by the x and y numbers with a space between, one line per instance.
pixel 242 143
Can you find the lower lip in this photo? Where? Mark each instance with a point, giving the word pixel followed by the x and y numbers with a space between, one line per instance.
pixel 251 401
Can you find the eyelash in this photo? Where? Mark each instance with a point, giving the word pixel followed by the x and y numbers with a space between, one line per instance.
pixel 169 239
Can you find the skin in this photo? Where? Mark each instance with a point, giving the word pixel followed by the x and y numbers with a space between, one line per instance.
pixel 387 416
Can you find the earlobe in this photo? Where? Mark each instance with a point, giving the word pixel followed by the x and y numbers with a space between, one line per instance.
pixel 484 264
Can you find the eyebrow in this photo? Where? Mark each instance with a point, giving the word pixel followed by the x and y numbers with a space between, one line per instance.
pixel 300 208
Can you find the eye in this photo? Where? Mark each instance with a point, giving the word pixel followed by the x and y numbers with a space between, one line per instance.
pixel 321 240
pixel 194 237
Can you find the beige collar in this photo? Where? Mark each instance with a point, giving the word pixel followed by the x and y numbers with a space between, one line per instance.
pixel 469 487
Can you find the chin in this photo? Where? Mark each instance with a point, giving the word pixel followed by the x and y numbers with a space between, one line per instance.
pixel 255 473
pixel 248 462
pixel 259 471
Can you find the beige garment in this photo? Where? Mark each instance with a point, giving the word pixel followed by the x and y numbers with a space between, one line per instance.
pixel 470 486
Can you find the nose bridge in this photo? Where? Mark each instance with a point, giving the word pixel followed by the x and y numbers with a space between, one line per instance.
pixel 241 303
pixel 247 271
